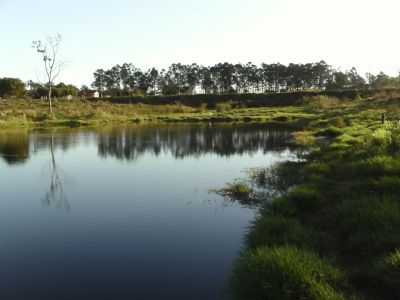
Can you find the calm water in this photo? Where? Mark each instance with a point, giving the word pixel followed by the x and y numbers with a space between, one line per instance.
pixel 125 213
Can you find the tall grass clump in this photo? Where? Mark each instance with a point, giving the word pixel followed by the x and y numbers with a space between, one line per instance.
pixel 285 273
pixel 270 230
pixel 380 165
pixel 241 192
pixel 385 139
pixel 305 198
pixel 388 274
pixel 368 226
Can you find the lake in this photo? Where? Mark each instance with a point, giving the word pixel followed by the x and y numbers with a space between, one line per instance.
pixel 125 213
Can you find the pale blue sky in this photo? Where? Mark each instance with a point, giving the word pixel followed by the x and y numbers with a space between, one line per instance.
pixel 99 33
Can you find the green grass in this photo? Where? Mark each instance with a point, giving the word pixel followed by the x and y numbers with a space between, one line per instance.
pixel 28 113
pixel 279 231
pixel 341 202
pixel 285 273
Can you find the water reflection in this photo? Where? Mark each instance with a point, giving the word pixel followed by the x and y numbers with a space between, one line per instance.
pixel 130 143
pixel 14 147
pixel 55 197
pixel 183 141
pixel 134 225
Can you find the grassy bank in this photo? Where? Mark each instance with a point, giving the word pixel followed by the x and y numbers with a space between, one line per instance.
pixel 331 229
pixel 22 113
pixel 313 111
pixel 249 100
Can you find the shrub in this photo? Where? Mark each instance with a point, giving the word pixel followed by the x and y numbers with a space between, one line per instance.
pixel 285 273
pixel 270 230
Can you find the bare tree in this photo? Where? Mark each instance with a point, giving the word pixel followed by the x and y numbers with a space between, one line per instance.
pixel 48 50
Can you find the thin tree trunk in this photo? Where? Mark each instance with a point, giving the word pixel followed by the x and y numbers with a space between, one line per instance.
pixel 50 101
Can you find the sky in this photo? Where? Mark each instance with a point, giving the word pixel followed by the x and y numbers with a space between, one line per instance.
pixel 99 34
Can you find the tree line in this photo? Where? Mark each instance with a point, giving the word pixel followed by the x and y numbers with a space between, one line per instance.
pixel 14 87
pixel 224 78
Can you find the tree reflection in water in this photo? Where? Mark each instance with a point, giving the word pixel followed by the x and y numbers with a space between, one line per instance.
pixel 132 142
pixel 14 147
pixel 182 141
pixel 55 197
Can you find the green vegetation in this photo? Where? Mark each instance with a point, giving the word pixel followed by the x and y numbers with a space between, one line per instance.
pixel 314 117
pixel 10 87
pixel 285 273
pixel 389 271
pixel 33 113
pixel 279 231
pixel 239 191
pixel 339 202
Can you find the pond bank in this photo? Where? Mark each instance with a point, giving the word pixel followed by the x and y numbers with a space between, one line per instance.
pixel 31 114
pixel 332 229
